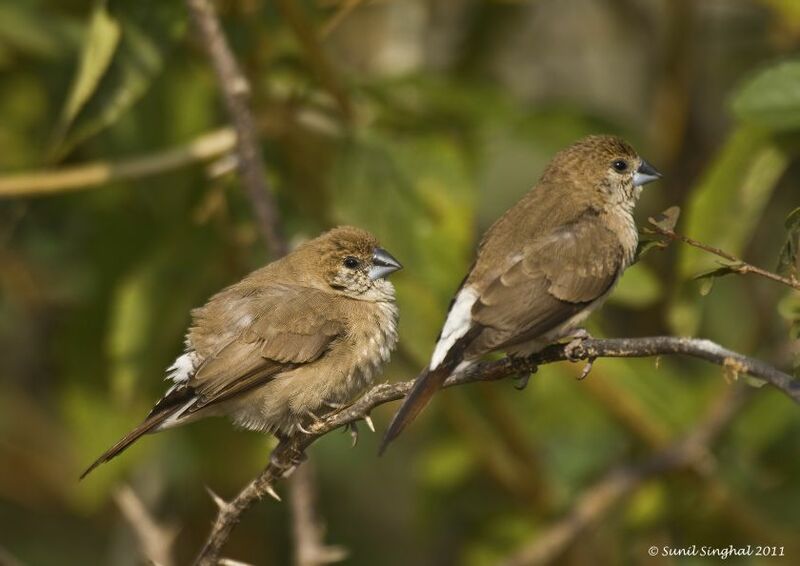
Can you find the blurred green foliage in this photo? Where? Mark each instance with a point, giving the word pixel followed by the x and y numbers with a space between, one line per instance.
pixel 421 121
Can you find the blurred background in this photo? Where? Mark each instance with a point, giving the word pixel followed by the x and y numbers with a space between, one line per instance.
pixel 421 120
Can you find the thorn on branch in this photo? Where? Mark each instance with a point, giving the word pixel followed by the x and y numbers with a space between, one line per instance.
pixel 272 493
pixel 370 424
pixel 221 504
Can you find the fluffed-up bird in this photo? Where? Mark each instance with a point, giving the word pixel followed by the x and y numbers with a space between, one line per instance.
pixel 544 266
pixel 289 342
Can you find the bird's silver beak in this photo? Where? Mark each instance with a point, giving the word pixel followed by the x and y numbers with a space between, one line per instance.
pixel 646 173
pixel 382 264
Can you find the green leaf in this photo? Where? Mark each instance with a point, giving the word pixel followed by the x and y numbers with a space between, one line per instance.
pixel 123 51
pixel 649 239
pixel 102 40
pixel 771 98
pixel 666 220
pixel 647 244
pixel 718 272
pixel 707 278
pixel 724 210
pixel 788 258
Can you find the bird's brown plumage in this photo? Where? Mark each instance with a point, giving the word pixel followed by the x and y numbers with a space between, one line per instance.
pixel 544 265
pixel 286 343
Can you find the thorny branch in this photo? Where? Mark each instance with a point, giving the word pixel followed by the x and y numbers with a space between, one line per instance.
pixel 289 453
pixel 236 91
pixel 694 450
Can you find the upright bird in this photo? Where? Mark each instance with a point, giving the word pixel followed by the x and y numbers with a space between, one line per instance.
pixel 294 339
pixel 544 266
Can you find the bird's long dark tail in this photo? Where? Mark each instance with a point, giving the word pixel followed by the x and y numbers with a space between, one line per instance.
pixel 173 402
pixel 148 425
pixel 428 382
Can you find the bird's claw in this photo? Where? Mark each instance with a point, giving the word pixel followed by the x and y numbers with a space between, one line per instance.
pixel 352 428
pixel 302 429
pixel 586 369
pixel 313 420
pixel 573 347
pixel 524 372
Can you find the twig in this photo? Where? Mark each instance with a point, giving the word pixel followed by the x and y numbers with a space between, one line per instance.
pixel 310 547
pixel 736 265
pixel 36 183
pixel 309 542
pixel 235 91
pixel 154 539
pixel 289 451
pixel 336 19
pixel 690 452
pixel 307 35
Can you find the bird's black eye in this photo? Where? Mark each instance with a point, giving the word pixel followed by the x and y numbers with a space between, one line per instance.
pixel 351 263
pixel 620 165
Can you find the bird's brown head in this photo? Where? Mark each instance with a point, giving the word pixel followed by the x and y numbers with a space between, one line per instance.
pixel 607 166
pixel 351 262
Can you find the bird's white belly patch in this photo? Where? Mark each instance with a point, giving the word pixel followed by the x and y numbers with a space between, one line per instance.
pixel 458 322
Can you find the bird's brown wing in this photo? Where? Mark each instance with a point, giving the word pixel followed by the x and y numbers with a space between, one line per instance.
pixel 549 281
pixel 290 326
pixel 553 279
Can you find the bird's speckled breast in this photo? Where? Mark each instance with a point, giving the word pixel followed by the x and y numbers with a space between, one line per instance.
pixel 300 396
pixel 373 347
pixel 619 219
